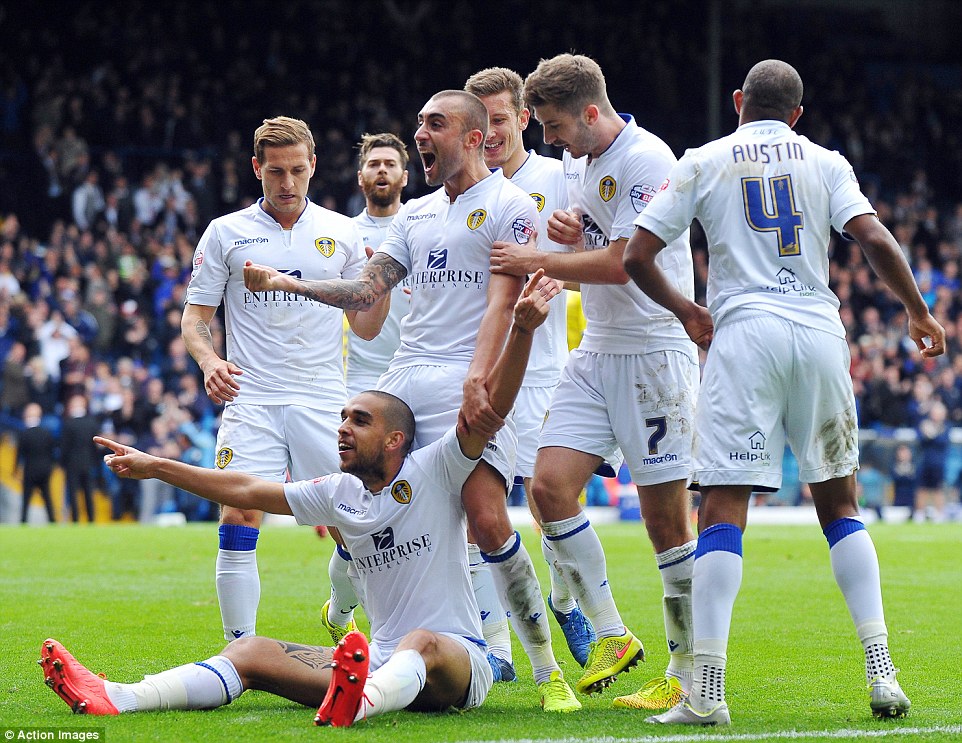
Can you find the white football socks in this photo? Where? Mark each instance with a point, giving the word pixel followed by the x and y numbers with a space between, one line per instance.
pixel 344 599
pixel 561 598
pixel 394 685
pixel 205 685
pixel 494 619
pixel 716 580
pixel 580 559
pixel 675 566
pixel 855 567
pixel 518 587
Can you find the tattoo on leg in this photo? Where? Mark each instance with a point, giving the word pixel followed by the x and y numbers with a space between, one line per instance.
pixel 312 656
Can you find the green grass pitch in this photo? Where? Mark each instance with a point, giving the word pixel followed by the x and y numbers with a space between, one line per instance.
pixel 130 600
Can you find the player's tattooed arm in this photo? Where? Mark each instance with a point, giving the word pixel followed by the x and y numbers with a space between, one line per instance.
pixel 203 333
pixel 312 656
pixel 219 374
pixel 381 274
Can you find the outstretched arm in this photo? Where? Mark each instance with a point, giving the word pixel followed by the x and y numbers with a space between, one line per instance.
pixel 885 257
pixel 506 376
pixel 228 488
pixel 381 274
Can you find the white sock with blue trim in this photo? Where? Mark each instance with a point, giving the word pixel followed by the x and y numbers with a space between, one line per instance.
pixel 205 685
pixel 344 599
pixel 520 592
pixel 580 559
pixel 675 566
pixel 494 619
pixel 716 579
pixel 855 567
pixel 237 581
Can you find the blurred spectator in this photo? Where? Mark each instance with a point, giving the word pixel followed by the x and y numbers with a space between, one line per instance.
pixel 77 317
pixel 14 390
pixel 76 371
pixel 905 478
pixel 35 454
pixel 87 201
pixel 54 336
pixel 933 438
pixel 41 386
pixel 197 447
pixel 79 456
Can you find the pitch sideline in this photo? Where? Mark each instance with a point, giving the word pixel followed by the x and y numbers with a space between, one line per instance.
pixel 846 734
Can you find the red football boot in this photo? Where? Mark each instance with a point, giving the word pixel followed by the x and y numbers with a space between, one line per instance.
pixel 349 673
pixel 82 690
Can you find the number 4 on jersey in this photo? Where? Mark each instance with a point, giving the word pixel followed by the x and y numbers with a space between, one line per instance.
pixel 783 219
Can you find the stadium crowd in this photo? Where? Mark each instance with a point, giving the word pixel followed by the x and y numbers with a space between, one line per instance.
pixel 110 171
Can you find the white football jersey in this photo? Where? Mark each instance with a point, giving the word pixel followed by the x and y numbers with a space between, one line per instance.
pixel 406 542
pixel 609 192
pixel 543 178
pixel 289 348
pixel 446 249
pixel 766 198
pixel 370 359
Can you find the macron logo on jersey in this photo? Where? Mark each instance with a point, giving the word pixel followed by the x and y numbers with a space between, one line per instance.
pixel 437 259
pixel 249 241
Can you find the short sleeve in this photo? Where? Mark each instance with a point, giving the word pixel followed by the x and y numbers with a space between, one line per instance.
pixel 210 274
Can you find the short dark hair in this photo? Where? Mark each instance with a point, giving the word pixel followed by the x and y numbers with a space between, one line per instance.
pixel 470 109
pixel 384 139
pixel 773 90
pixel 397 416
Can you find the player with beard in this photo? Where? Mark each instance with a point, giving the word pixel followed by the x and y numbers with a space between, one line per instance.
pixel 459 316
pixel 382 175
pixel 394 507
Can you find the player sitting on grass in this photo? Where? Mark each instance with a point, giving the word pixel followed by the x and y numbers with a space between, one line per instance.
pixel 394 509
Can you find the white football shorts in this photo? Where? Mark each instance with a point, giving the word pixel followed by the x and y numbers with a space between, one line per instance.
pixel 643 403
pixel 360 381
pixel 482 679
pixel 529 412
pixel 434 394
pixel 769 380
pixel 271 440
